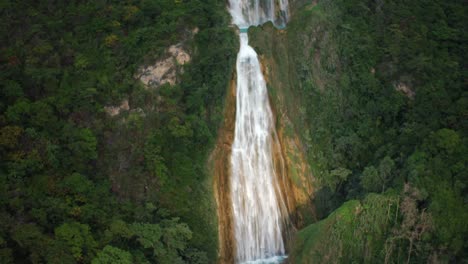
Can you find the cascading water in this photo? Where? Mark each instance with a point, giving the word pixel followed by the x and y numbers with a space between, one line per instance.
pixel 256 198
pixel 246 13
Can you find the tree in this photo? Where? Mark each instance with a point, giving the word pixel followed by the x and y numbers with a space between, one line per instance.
pixel 154 160
pixel 84 144
pixel 415 224
pixel 336 177
pixel 375 180
pixel 386 167
pixel 12 89
pixel 113 255
pixel 31 238
pixel 148 235
pixel 6 255
pixel 19 112
pixel 78 238
pixel 10 135
pixel 370 179
pixel 167 241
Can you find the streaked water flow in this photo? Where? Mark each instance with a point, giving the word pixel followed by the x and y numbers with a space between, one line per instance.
pixel 256 199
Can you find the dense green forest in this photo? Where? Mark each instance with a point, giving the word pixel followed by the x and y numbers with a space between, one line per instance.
pixel 377 92
pixel 79 186
pixel 381 89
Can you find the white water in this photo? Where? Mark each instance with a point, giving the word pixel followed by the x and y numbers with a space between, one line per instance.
pixel 256 198
pixel 247 13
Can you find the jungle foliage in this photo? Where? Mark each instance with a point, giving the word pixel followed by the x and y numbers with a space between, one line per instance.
pixel 79 186
pixel 382 92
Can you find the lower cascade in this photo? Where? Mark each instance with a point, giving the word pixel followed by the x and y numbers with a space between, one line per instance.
pixel 256 197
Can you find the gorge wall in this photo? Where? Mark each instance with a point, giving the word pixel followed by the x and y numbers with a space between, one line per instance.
pixel 295 177
pixel 296 186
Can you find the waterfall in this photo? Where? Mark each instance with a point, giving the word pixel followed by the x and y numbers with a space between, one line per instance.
pixel 256 197
pixel 247 13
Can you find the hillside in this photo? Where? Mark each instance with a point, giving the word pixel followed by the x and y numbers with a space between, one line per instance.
pixel 96 166
pixel 377 92
pixel 118 120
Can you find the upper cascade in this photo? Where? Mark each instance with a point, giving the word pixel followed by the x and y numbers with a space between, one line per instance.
pixel 246 13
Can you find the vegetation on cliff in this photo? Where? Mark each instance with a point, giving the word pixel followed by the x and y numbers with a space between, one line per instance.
pixel 377 91
pixel 79 186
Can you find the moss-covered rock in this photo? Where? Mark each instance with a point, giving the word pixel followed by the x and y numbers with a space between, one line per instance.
pixel 357 232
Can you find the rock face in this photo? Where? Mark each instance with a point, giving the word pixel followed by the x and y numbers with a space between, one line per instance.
pixel 276 68
pixel 294 182
pixel 405 89
pixel 180 55
pixel 165 70
pixel 220 165
pixel 162 71
pixel 115 110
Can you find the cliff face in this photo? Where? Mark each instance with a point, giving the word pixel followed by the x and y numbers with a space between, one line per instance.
pixel 294 60
pixel 290 156
pixel 290 159
pixel 219 163
pixel 294 177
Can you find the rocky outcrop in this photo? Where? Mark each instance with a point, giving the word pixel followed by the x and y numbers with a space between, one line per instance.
pixel 165 70
pixel 115 110
pixel 405 89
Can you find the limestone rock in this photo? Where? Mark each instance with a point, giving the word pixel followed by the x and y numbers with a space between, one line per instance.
pixel 165 70
pixel 115 110
pixel 405 89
